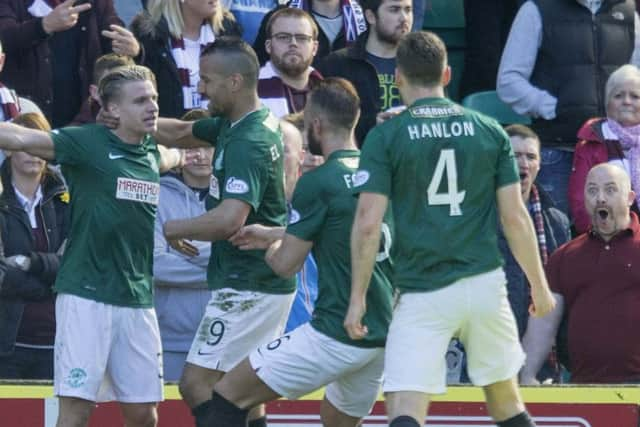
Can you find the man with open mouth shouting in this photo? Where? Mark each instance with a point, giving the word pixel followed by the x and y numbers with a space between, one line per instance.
pixel 594 278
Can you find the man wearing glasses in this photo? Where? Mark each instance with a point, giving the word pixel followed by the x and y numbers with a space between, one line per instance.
pixel 286 78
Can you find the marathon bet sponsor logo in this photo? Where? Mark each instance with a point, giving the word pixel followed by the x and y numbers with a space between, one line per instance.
pixel 294 216
pixel 76 378
pixel 236 186
pixel 440 130
pixel 360 178
pixel 137 190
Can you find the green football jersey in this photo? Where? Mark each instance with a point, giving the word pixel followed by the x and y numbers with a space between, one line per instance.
pixel 114 188
pixel 247 166
pixel 323 208
pixel 440 165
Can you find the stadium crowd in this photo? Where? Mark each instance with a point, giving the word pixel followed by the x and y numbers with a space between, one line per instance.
pixel 248 198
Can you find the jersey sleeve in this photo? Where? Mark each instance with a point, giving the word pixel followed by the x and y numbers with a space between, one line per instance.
pixel 308 210
pixel 374 172
pixel 72 146
pixel 208 129
pixel 507 168
pixel 246 174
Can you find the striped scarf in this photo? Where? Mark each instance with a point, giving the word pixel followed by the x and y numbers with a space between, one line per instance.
pixel 629 138
pixel 8 103
pixel 178 52
pixel 352 16
pixel 538 221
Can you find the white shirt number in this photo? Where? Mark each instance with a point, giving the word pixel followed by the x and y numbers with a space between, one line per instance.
pixel 453 197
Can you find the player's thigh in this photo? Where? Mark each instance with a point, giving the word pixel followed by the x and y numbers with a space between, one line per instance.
pixel 304 360
pixel 234 324
pixel 421 328
pixel 490 336
pixel 84 336
pixel 355 392
pixel 135 362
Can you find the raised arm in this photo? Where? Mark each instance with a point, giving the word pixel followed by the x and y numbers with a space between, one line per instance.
pixel 34 142
pixel 177 133
pixel 365 242
pixel 286 256
pixel 519 231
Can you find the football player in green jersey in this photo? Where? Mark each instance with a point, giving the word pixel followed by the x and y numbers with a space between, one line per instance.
pixel 319 352
pixel 449 172
pixel 250 303
pixel 104 282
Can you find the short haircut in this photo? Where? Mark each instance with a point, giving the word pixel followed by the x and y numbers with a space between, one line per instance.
pixel 296 119
pixel 239 58
pixel 623 74
pixel 372 5
pixel 111 84
pixel 522 131
pixel 291 12
pixel 337 100
pixel 195 114
pixel 108 62
pixel 422 58
pixel 33 121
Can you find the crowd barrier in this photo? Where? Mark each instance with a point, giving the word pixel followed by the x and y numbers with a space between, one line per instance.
pixel 33 405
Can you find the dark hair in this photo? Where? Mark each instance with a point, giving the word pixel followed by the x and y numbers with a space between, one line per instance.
pixel 522 131
pixel 239 58
pixel 291 12
pixel 111 84
pixel 107 63
pixel 372 5
pixel 337 100
pixel 422 58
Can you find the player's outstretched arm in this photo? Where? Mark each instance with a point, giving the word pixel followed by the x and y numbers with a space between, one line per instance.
pixel 365 242
pixel 519 231
pixel 286 256
pixel 32 141
pixel 256 236
pixel 217 224
pixel 538 340
pixel 177 133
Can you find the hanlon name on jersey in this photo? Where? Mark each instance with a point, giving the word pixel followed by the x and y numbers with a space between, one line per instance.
pixel 440 130
pixel 138 191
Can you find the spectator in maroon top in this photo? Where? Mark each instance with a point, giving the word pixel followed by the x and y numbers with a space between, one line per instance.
pixel 33 225
pixel 594 279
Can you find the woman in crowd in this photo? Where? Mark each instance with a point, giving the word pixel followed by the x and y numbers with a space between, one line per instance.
pixel 33 226
pixel 614 139
pixel 173 32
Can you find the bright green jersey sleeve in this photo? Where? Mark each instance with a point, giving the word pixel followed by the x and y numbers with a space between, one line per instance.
pixel 72 145
pixel 375 170
pixel 246 173
pixel 208 129
pixel 308 210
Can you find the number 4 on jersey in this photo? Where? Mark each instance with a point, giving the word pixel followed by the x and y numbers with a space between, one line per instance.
pixel 453 198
